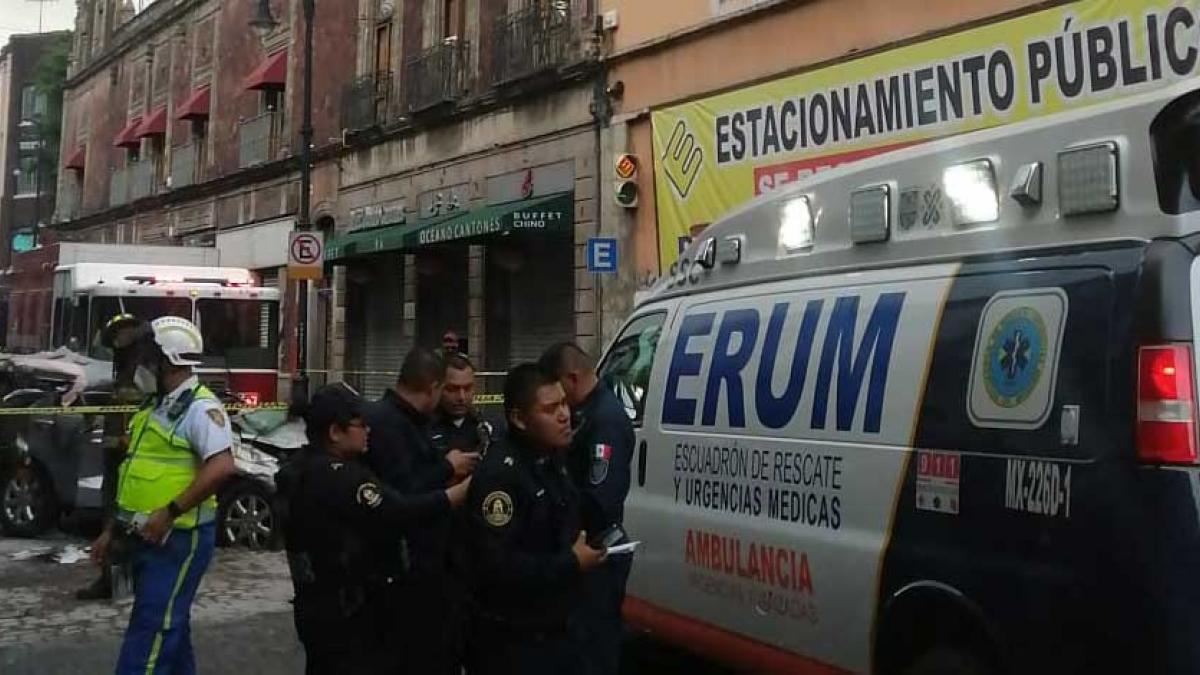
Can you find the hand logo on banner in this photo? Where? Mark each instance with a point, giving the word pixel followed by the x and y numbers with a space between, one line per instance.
pixel 682 160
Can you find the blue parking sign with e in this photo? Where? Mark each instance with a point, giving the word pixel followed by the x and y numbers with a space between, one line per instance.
pixel 602 254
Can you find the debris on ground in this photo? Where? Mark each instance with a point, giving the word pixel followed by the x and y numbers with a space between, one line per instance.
pixel 64 555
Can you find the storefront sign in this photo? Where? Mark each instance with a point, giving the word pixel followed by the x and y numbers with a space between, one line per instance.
pixel 536 215
pixel 376 215
pixel 715 153
pixel 538 181
pixel 445 201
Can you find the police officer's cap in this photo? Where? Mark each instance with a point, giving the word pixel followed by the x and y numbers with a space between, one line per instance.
pixel 331 404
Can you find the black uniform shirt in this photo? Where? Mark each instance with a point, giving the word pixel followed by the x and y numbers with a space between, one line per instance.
pixel 345 519
pixel 446 434
pixel 601 457
pixel 522 513
pixel 400 452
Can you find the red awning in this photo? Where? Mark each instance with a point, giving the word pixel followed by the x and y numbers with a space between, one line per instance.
pixel 155 124
pixel 270 74
pixel 128 137
pixel 196 106
pixel 78 159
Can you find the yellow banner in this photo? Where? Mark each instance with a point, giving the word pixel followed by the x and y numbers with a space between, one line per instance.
pixel 715 153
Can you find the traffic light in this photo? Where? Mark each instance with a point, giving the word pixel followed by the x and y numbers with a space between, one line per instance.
pixel 625 191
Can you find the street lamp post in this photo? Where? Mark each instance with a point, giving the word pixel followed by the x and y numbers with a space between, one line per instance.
pixel 264 23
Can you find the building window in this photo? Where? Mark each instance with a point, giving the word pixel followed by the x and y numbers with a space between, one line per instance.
pixel 383 49
pixel 33 103
pixel 452 18
pixel 27 173
pixel 271 100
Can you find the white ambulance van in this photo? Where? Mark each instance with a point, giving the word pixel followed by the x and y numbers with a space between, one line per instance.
pixel 934 412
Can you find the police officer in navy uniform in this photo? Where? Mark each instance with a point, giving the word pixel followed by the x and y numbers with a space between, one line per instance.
pixel 402 456
pixel 528 550
pixel 341 529
pixel 600 458
pixel 457 425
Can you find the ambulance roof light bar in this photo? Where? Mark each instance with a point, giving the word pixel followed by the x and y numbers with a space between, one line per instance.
pixel 1087 179
pixel 971 189
pixel 797 226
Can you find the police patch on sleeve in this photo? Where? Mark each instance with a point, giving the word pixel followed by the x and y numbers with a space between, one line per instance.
pixel 369 495
pixel 601 457
pixel 1015 367
pixel 217 416
pixel 497 509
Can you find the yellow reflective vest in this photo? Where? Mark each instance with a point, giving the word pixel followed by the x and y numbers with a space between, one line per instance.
pixel 159 466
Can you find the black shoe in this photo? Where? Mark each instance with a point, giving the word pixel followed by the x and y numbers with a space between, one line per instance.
pixel 100 589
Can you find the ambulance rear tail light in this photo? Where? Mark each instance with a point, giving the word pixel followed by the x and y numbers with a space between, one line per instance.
pixel 1166 406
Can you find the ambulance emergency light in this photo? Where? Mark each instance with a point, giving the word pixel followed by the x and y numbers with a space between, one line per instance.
pixel 796 227
pixel 1087 179
pixel 971 190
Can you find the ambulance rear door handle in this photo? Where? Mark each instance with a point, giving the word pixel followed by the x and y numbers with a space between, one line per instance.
pixel 642 464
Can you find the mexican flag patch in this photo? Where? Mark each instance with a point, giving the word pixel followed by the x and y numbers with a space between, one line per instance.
pixel 601 455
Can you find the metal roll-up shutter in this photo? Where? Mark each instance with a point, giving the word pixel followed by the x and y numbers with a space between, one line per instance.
pixel 375 318
pixel 543 298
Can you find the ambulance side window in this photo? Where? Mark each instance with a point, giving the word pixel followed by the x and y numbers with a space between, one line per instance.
pixel 627 367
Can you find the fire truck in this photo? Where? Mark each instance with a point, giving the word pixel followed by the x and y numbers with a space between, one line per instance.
pixel 62 295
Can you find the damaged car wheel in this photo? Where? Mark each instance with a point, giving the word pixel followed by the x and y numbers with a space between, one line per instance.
pixel 246 517
pixel 27 504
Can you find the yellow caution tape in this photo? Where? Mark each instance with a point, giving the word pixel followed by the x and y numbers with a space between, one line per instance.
pixel 480 399
pixel 118 409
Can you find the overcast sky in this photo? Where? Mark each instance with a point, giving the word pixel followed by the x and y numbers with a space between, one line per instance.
pixel 21 16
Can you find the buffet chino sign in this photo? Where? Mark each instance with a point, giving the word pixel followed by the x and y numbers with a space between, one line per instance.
pixel 715 153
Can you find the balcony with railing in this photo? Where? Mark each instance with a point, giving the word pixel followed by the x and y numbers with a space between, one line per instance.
pixel 533 40
pixel 183 166
pixel 436 76
pixel 366 102
pixel 118 187
pixel 143 179
pixel 27 183
pixel 258 139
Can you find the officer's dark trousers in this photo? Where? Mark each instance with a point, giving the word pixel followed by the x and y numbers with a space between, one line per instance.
pixel 596 627
pixel 335 643
pixel 429 619
pixel 497 651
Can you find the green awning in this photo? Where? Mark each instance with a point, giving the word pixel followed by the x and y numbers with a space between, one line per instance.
pixel 550 213
pixel 363 242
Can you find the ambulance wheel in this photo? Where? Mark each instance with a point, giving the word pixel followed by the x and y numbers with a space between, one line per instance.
pixel 28 506
pixel 246 517
pixel 946 660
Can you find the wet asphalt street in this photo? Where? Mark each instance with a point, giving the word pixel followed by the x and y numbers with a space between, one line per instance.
pixel 242 620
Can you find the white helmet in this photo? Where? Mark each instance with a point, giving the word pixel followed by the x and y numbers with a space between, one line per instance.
pixel 179 340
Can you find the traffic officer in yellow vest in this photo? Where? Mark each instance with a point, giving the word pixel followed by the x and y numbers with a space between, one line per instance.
pixel 180 451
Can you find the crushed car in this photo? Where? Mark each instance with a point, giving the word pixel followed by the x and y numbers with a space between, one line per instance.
pixel 52 458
